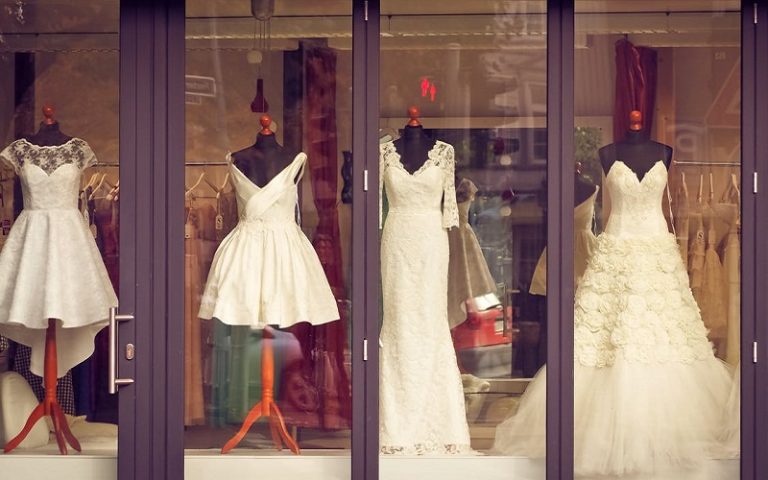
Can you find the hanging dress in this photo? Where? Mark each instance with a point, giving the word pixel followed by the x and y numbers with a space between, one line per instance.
pixel 468 274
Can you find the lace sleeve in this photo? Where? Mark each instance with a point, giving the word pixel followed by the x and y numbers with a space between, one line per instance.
pixel 87 157
pixel 382 167
pixel 450 209
pixel 9 158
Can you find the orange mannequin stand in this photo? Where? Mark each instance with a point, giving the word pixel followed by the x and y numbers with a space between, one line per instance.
pixel 266 407
pixel 50 405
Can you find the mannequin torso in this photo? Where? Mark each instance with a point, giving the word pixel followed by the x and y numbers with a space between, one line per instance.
pixel 263 160
pixel 414 146
pixel 637 152
pixel 49 136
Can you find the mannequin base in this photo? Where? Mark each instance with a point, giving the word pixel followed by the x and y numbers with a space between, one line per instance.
pixel 49 407
pixel 267 406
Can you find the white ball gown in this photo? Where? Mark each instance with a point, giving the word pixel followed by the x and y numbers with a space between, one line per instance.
pixel 50 265
pixel 649 392
pixel 421 398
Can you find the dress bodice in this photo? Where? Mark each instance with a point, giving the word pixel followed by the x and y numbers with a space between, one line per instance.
pixel 636 204
pixel 50 175
pixel 275 202
pixel 429 190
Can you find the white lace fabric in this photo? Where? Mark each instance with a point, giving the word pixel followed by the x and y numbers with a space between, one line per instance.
pixel 649 394
pixel 422 408
pixel 49 158
pixel 50 265
pixel 441 156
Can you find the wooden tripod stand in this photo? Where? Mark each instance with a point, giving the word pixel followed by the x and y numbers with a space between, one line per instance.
pixel 49 407
pixel 267 406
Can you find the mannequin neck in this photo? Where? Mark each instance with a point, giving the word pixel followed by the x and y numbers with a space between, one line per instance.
pixel 414 133
pixel 635 136
pixel 266 142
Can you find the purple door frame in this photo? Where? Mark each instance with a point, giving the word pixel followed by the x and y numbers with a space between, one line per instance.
pixel 152 132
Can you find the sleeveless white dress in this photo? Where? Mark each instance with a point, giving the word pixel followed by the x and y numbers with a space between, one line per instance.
pixel 265 272
pixel 649 392
pixel 50 266
pixel 421 399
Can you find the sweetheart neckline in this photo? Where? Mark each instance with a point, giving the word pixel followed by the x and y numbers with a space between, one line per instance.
pixel 634 174
pixel 48 175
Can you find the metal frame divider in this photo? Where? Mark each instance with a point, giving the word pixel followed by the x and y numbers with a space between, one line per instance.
pixel 560 204
pixel 365 247
pixel 754 388
pixel 150 443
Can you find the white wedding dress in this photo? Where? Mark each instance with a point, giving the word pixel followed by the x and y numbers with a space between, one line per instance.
pixel 50 266
pixel 421 396
pixel 266 272
pixel 649 392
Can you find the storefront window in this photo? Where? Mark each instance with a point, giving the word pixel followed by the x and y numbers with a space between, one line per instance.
pixel 268 235
pixel 59 229
pixel 657 313
pixel 463 187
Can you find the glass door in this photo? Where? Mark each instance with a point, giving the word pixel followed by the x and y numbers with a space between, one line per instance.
pixel 657 239
pixel 463 188
pixel 267 239
pixel 60 224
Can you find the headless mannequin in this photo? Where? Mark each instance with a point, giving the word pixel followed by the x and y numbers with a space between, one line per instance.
pixel 264 159
pixel 415 145
pixel 48 135
pixel 636 151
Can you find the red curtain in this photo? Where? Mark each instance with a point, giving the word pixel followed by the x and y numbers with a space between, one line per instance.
pixel 636 69
pixel 322 397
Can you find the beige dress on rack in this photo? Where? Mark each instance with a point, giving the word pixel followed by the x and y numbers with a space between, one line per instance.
pixel 583 245
pixel 468 274
pixel 732 270
pixel 682 220
pixel 194 408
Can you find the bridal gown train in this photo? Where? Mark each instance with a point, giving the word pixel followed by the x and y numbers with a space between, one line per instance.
pixel 649 392
pixel 421 397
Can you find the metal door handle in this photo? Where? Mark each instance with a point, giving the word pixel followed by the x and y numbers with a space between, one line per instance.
pixel 114 381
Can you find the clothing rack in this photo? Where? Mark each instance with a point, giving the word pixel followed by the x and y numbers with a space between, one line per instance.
pixel 705 164
pixel 188 164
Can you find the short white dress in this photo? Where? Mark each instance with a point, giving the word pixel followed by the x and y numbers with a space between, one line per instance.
pixel 266 272
pixel 49 265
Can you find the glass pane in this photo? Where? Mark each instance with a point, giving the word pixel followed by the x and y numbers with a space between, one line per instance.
pixel 59 225
pixel 268 237
pixel 463 187
pixel 657 247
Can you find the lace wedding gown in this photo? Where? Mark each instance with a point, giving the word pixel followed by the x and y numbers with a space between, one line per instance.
pixel 649 392
pixel 50 266
pixel 421 397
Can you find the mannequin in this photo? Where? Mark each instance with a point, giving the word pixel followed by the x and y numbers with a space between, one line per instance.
pixel 414 145
pixel 48 135
pixel 261 162
pixel 636 151
pixel 265 158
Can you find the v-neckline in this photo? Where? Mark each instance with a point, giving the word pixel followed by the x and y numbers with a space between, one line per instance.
pixel 634 174
pixel 271 180
pixel 429 161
